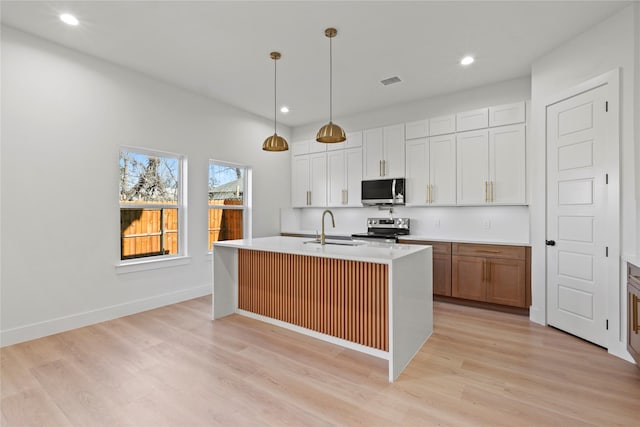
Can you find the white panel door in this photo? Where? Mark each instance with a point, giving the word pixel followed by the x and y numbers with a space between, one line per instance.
pixel 372 153
pixel 442 170
pixel 318 180
pixel 353 170
pixel 472 167
pixel 417 155
pixel 393 160
pixel 300 176
pixel 576 203
pixel 507 164
pixel 336 178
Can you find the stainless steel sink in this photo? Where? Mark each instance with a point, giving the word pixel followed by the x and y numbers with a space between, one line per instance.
pixel 336 242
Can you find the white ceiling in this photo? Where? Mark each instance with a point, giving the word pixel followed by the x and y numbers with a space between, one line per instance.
pixel 221 49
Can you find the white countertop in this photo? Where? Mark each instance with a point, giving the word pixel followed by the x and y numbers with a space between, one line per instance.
pixel 381 253
pixel 482 242
pixel 419 237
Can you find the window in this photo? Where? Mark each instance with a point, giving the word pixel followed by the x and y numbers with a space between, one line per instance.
pixel 151 207
pixel 229 201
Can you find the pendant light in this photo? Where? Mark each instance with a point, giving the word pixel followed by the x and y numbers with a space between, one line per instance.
pixel 330 132
pixel 275 142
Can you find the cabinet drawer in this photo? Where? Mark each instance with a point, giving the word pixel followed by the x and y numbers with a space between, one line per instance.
pixel 438 247
pixel 492 251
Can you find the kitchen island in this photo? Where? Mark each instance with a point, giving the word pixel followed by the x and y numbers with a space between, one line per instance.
pixel 371 297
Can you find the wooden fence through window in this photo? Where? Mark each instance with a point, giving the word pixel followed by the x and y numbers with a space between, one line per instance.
pixel 154 231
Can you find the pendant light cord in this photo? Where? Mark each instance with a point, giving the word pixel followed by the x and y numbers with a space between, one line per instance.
pixel 275 94
pixel 330 80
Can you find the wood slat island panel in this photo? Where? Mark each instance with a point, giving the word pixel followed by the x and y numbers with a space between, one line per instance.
pixel 342 298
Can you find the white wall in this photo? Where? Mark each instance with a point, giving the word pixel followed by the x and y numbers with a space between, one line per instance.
pixel 64 117
pixel 606 46
pixel 505 223
pixel 495 94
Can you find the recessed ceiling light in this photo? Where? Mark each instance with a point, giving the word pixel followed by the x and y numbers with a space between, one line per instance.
pixel 69 19
pixel 284 109
pixel 467 60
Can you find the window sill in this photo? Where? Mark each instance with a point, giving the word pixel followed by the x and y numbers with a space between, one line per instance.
pixel 151 264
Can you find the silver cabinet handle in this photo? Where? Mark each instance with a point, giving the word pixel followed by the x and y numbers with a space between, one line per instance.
pixel 308 198
pixel 380 167
pixel 430 193
pixel 384 168
pixel 491 190
pixel 427 198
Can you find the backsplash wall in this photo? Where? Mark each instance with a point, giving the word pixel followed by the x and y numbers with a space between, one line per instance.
pixel 493 224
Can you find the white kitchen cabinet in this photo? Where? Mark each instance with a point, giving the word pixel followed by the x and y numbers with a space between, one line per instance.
pixel 354 139
pixel 474 119
pixel 431 171
pixel 442 125
pixel 308 146
pixel 309 180
pixel 417 129
pixel 473 167
pixel 507 114
pixel 344 176
pixel 507 161
pixel 383 152
pixel 491 166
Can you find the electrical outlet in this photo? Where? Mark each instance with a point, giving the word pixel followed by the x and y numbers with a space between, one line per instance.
pixel 487 224
pixel 436 223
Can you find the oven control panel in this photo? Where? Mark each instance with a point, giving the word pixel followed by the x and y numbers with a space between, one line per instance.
pixel 397 223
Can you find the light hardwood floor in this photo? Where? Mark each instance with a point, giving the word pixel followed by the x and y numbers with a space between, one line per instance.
pixel 174 366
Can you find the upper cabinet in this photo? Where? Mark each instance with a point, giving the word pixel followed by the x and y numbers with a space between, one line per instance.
pixel 344 174
pixel 491 166
pixel 471 120
pixel 507 165
pixel 354 139
pixel 383 152
pixel 309 180
pixel 431 171
pixel 418 129
pixel 307 147
pixel 507 114
pixel 442 125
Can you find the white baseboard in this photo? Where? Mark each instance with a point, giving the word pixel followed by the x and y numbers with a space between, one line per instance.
pixel 537 315
pixel 619 349
pixel 66 323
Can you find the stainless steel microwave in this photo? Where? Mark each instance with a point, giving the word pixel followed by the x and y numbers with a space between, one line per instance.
pixel 383 192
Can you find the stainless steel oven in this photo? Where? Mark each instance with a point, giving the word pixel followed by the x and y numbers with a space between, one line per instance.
pixel 384 230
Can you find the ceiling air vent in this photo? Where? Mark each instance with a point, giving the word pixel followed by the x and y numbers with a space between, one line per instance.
pixel 390 80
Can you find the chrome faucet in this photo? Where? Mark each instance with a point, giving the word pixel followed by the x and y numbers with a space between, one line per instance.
pixel 333 222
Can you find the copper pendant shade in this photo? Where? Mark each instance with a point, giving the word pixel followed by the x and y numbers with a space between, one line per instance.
pixel 331 132
pixel 275 142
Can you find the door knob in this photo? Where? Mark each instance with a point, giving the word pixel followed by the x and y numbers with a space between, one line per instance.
pixel 550 242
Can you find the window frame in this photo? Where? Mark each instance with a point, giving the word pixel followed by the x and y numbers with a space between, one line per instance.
pixel 179 258
pixel 246 206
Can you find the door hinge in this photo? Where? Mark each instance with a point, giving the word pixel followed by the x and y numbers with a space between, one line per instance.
pixel 606 251
pixel 606 178
pixel 606 106
pixel 607 324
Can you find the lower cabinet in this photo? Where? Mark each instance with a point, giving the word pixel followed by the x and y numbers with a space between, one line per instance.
pixel 496 274
pixel 633 313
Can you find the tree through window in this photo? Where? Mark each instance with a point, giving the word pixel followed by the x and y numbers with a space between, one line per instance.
pixel 150 204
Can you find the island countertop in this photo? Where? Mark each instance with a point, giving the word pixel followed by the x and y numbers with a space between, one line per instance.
pixel 382 253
